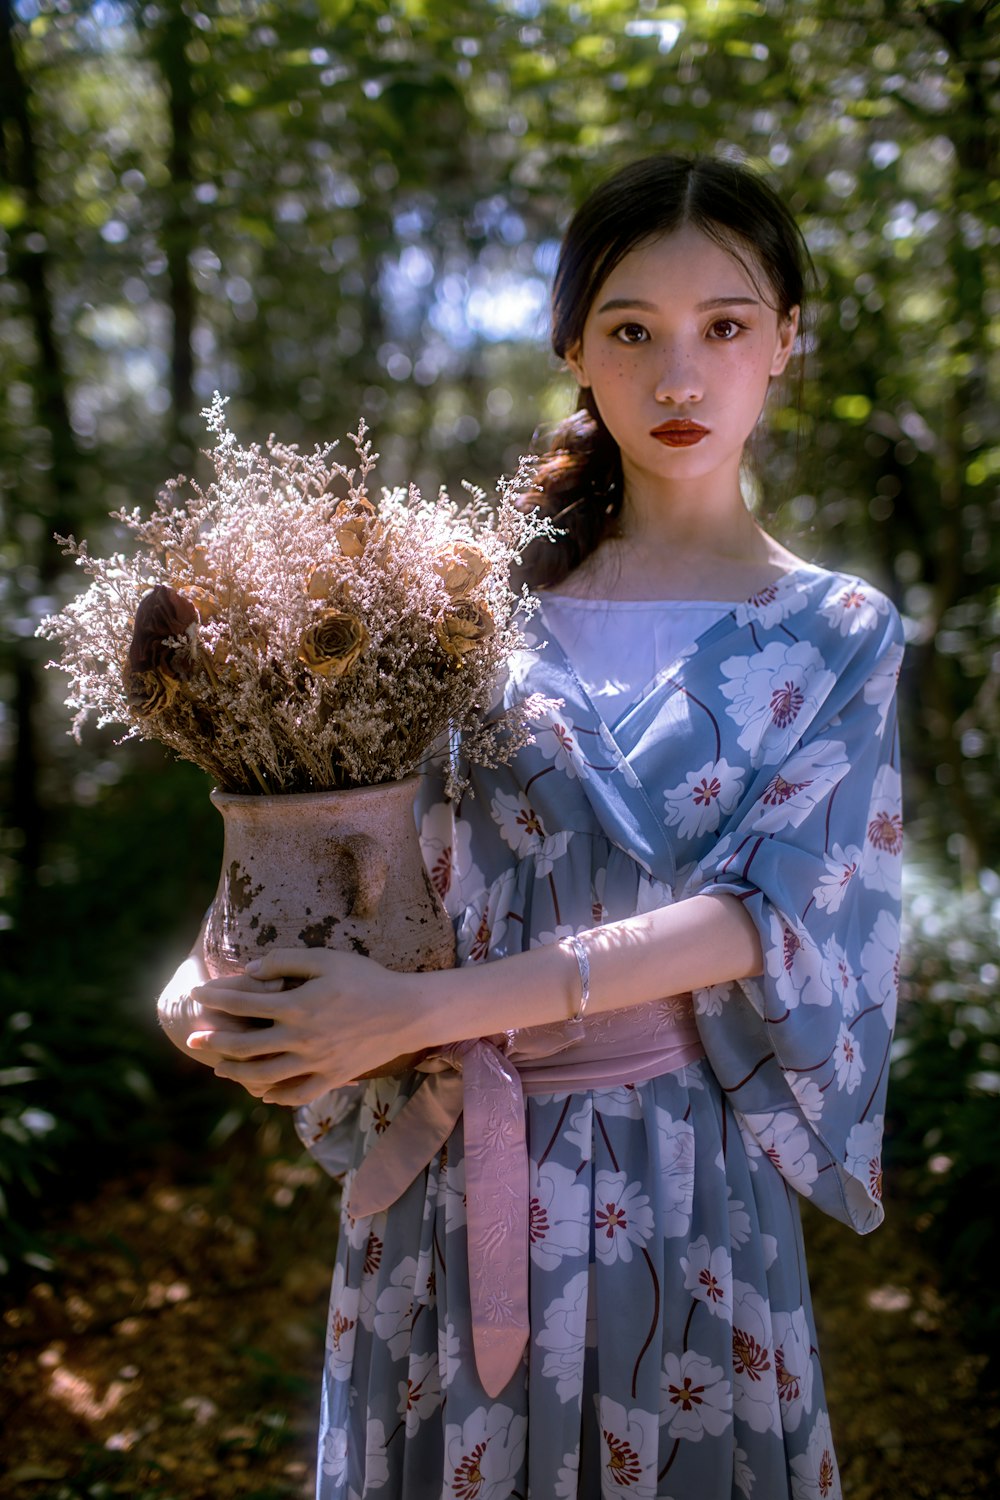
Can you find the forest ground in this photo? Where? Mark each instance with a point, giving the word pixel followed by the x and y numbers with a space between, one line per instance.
pixel 175 1352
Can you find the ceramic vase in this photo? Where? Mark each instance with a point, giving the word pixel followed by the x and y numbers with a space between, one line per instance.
pixel 336 870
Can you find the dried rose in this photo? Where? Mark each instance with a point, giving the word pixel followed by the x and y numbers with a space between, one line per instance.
pixel 149 692
pixel 462 569
pixel 325 581
pixel 462 629
pixel 332 643
pixel 356 525
pixel 163 614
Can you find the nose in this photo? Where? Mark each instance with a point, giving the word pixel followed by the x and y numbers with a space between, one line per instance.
pixel 680 379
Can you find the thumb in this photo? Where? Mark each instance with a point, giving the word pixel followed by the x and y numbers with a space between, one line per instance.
pixel 300 963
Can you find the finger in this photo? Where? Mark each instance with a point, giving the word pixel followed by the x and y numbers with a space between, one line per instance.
pixel 236 1002
pixel 301 963
pixel 246 982
pixel 261 1072
pixel 239 1046
pixel 297 1091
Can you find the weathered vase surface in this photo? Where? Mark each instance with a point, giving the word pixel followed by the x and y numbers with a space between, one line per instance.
pixel 338 870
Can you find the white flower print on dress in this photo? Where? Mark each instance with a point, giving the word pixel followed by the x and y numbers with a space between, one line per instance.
pixel 880 688
pixel 623 1100
pixel 806 779
pixel 556 739
pixel 394 1308
pixel 676 1147
pixel 841 868
pixel 341 1326
pixel 445 843
pixel 563 1337
pixel 451 1190
pixel 755 1392
pixel 773 603
pixel 651 895
pixel 420 1392
pixel 854 607
pixel 796 964
pixel 482 928
pixel 774 695
pixel 793 1366
pixel 564 930
pixel 579 1130
pixel 743 1475
pixel 864 1155
pixel 880 966
pixel 695 806
pixel 708 1276
pixel 739 1219
pixel 843 978
pixel 484 1454
pixel 847 1059
pixel 694 1397
pixel 568 1480
pixel 882 862
pixel 522 829
pixel 808 1095
pixel 629 1448
pixel 622 1216
pixel 376 1462
pixel 449 1354
pixel 379 1107
pixel 333 1460
pixel 814 1473
pixel 785 1143
pixel 710 1000
pixel 558 1215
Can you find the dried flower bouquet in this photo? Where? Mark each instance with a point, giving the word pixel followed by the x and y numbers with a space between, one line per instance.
pixel 287 634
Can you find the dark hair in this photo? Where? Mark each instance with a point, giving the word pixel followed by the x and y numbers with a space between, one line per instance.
pixel 579 477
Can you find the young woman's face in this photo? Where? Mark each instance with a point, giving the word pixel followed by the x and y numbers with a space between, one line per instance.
pixel 678 350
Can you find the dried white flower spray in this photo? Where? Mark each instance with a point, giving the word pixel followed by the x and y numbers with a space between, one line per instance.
pixel 287 634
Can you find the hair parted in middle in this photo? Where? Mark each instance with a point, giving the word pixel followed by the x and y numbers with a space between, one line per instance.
pixel 579 477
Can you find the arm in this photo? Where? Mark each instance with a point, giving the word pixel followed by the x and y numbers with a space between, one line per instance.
pixel 324 1034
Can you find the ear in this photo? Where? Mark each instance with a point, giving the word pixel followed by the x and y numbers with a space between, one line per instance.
pixel 574 358
pixel 787 330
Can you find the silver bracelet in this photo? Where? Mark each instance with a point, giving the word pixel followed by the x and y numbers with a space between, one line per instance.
pixel 583 964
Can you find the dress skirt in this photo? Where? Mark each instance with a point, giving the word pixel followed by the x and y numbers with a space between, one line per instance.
pixel 672 1349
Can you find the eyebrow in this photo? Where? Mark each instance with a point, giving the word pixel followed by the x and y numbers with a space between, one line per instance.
pixel 618 303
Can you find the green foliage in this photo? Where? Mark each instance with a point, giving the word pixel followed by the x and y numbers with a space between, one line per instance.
pixel 88 1083
pixel 945 1121
pixel 340 208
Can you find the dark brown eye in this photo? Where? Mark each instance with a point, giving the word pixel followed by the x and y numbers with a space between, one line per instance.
pixel 631 333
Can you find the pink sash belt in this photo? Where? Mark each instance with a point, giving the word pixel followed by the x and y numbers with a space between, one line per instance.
pixel 487 1079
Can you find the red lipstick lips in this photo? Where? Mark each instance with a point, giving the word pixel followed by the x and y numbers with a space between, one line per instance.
pixel 681 434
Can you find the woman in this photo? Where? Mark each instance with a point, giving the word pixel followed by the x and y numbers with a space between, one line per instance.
pixel 591 1281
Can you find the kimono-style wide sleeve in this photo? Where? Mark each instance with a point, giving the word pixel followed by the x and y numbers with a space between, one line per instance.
pixel 813 852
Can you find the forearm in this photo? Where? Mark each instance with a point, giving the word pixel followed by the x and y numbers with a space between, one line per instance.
pixel 702 941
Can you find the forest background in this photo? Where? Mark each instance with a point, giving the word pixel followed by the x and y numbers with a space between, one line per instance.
pixel 328 208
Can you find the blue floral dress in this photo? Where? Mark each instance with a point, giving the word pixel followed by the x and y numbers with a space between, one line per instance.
pixel 672 1349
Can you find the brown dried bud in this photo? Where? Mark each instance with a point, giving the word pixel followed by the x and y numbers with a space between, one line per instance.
pixel 355 526
pixel 332 643
pixel 163 615
pixel 463 628
pixel 462 569
pixel 149 692
pixel 325 581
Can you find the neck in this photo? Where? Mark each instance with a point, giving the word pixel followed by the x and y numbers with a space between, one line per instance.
pixel 702 517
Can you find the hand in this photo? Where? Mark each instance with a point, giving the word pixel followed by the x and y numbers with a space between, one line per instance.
pixel 334 1027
